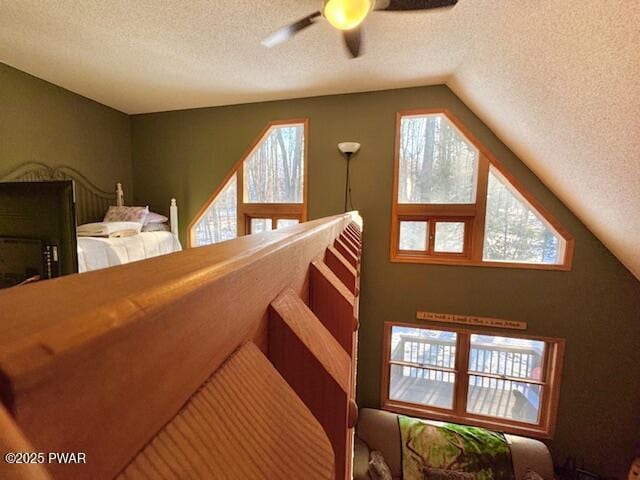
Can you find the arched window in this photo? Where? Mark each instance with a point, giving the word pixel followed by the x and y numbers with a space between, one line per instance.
pixel 265 190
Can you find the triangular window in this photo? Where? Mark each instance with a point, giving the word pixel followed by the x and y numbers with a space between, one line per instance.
pixel 220 220
pixel 264 191
pixel 514 231
pixel 455 204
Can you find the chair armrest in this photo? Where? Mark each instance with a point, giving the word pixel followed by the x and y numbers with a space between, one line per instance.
pixel 360 460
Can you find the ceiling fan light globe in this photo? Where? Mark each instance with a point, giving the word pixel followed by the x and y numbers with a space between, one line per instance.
pixel 347 14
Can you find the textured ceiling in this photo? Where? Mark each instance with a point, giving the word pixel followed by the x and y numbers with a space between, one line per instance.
pixel 558 81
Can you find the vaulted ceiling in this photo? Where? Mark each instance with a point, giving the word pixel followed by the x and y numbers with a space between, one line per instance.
pixel 557 81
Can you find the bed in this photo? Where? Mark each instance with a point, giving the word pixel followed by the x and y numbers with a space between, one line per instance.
pixel 91 203
pixel 95 253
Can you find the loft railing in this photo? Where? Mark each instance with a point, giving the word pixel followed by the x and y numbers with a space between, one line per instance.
pixel 119 363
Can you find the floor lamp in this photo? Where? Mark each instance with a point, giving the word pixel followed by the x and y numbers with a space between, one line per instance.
pixel 348 149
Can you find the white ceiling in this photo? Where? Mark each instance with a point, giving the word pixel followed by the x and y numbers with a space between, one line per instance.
pixel 557 80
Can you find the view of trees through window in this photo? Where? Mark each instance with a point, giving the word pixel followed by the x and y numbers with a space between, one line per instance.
pixel 220 221
pixel 273 173
pixel 437 164
pixel 449 237
pixel 513 231
pixel 437 217
pixel 413 235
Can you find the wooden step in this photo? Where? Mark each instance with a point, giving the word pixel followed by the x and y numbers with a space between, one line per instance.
pixel 332 302
pixel 350 244
pixel 354 239
pixel 343 269
pixel 355 229
pixel 317 368
pixel 346 252
pixel 245 422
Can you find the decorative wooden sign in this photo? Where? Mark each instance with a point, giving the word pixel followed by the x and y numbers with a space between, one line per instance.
pixel 470 320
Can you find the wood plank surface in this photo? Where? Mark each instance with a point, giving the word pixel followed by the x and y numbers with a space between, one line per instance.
pixel 355 228
pixel 351 236
pixel 224 433
pixel 12 441
pixel 317 368
pixel 332 302
pixel 350 244
pixel 346 252
pixel 99 362
pixel 342 268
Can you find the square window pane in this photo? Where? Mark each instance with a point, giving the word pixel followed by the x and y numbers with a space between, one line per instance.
pixel 429 348
pixel 287 222
pixel 519 401
pixel 512 357
pixel 449 237
pixel 420 385
pixel 260 225
pixel 413 236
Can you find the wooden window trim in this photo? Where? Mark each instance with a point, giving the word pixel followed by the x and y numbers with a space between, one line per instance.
pixel 268 216
pixel 477 210
pixel 430 252
pixel 262 210
pixel 549 400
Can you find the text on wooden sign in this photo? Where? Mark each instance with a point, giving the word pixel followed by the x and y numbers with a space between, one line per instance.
pixel 471 320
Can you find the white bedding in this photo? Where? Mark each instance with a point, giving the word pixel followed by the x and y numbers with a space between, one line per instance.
pixel 95 253
pixel 109 229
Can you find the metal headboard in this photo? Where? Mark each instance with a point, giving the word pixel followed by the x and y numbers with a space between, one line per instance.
pixel 91 201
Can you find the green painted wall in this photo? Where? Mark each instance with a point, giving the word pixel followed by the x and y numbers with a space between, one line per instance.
pixel 596 307
pixel 185 154
pixel 41 122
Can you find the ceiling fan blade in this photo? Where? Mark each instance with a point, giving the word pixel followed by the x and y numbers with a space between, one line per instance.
pixel 353 41
pixel 409 5
pixel 285 33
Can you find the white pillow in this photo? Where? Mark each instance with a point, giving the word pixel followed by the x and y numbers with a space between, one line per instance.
pixel 126 214
pixel 108 229
pixel 153 217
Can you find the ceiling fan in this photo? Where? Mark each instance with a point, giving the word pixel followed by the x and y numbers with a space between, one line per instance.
pixel 347 15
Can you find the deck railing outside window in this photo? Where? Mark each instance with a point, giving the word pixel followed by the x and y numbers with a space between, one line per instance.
pixel 503 376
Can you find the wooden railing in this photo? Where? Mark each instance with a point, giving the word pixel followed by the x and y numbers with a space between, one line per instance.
pixel 235 360
pixel 484 358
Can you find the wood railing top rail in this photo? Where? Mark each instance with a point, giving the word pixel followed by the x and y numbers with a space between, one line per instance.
pixel 32 313
pixel 100 362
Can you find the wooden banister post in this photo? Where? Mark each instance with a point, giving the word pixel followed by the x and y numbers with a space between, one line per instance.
pixel 333 304
pixel 333 297
pixel 346 252
pixel 351 245
pixel 343 269
pixel 317 368
pixel 351 236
